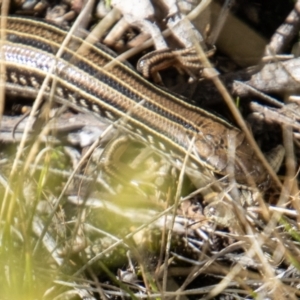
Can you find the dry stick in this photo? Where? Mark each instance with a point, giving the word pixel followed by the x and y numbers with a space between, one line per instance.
pixel 285 33
pixel 95 35
pixel 277 115
pixel 274 77
pixel 290 182
pixel 241 89
pixel 126 55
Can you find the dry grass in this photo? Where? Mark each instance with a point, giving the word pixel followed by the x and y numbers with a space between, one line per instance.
pixel 69 230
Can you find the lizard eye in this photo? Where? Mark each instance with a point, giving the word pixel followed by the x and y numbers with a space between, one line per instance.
pixel 141 63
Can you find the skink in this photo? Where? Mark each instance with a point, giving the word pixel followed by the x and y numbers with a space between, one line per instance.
pixel 166 121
